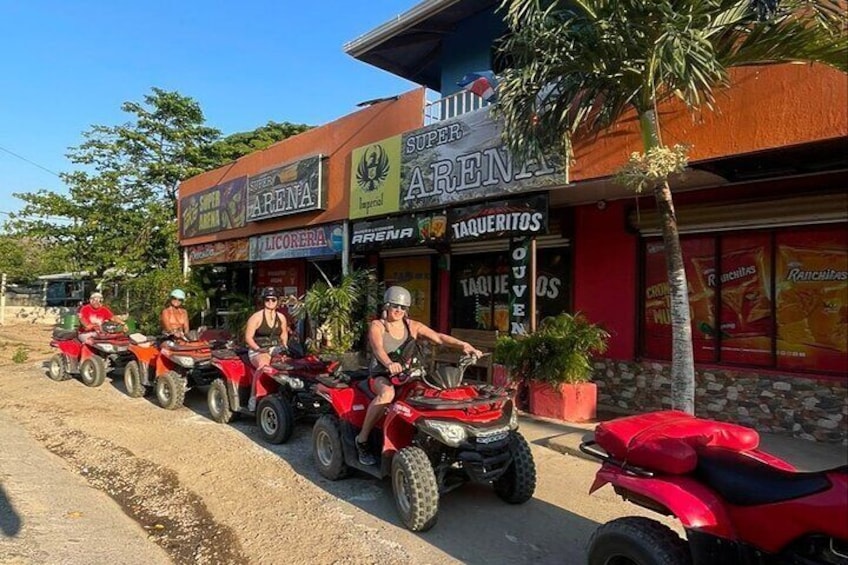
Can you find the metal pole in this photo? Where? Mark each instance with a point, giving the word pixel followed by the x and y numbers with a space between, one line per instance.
pixel 3 299
pixel 533 285
pixel 345 249
pixel 186 267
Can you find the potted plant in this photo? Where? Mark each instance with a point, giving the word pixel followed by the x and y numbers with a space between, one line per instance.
pixel 556 361
pixel 339 314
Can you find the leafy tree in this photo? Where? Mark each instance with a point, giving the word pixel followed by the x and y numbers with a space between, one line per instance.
pixel 120 209
pixel 578 66
pixel 236 145
pixel 25 259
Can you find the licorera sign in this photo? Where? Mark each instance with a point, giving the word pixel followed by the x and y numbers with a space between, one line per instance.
pixel 443 164
pixel 289 189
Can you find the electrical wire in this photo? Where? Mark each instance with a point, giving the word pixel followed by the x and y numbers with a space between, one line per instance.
pixel 33 163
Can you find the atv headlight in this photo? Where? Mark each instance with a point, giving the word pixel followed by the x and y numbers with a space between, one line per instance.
pixel 106 347
pixel 513 418
pixel 293 382
pixel 446 432
pixel 183 361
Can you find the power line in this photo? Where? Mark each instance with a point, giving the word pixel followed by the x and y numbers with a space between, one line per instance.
pixel 33 163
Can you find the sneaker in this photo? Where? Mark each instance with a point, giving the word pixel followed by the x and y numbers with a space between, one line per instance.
pixel 251 404
pixel 365 457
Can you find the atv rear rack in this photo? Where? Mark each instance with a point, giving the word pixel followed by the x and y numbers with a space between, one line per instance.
pixel 590 448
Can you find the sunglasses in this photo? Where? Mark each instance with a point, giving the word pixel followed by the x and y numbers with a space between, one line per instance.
pixel 399 307
pixel 270 299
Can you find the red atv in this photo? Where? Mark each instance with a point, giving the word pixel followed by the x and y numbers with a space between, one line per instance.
pixel 438 434
pixel 171 367
pixel 285 390
pixel 102 351
pixel 737 504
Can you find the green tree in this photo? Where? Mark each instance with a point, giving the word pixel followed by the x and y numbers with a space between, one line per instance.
pixel 578 66
pixel 120 208
pixel 236 145
pixel 25 259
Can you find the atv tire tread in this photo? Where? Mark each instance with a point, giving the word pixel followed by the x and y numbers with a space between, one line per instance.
pixel 284 415
pixel 518 483
pixel 640 540
pixel 98 370
pixel 57 370
pixel 421 487
pixel 337 469
pixel 224 415
pixel 176 383
pixel 132 380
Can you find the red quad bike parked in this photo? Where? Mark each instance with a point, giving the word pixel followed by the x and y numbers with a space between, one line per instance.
pixel 285 390
pixel 438 434
pixel 102 351
pixel 171 367
pixel 737 504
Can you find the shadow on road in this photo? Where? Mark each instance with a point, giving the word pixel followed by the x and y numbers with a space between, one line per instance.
pixel 10 522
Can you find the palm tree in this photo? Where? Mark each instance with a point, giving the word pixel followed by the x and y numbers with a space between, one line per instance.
pixel 579 65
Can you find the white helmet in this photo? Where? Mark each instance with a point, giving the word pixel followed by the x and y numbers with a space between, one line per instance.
pixel 397 295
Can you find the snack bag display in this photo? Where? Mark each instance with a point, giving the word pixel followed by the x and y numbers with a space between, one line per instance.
pixel 745 293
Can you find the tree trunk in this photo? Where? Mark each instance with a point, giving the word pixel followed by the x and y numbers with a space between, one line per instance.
pixel 682 358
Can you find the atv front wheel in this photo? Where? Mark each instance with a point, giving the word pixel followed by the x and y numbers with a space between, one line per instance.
pixel 57 369
pixel 327 448
pixel 93 371
pixel 518 483
pixel 132 380
pixel 415 489
pixel 275 419
pixel 170 390
pixel 218 401
pixel 636 540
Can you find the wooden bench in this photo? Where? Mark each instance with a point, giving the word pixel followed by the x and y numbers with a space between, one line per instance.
pixel 484 340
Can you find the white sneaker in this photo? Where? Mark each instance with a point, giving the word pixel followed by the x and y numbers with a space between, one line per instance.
pixel 251 404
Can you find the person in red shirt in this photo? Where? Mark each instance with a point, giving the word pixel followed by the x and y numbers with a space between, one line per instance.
pixel 93 314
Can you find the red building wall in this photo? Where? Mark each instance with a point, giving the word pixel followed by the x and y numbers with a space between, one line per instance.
pixel 605 274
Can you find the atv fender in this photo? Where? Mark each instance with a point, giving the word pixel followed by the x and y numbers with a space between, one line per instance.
pixel 681 496
pixel 397 432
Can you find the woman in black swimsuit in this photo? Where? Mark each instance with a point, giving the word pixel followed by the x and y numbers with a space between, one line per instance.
pixel 266 335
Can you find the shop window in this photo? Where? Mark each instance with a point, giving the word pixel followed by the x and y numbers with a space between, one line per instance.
pixel 781 298
pixel 480 288
pixel 414 274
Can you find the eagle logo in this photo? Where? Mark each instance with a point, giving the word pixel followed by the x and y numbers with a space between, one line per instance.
pixel 373 168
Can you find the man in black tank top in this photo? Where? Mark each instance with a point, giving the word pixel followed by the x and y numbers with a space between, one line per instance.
pixel 265 335
pixel 392 332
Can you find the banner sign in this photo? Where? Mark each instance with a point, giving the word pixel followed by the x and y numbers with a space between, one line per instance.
pixel 403 231
pixel 519 286
pixel 306 242
pixel 522 217
pixel 231 251
pixel 215 209
pixel 283 191
pixel 445 163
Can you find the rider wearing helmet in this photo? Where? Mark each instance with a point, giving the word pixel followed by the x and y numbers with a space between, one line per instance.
pixel 174 318
pixel 266 335
pixel 387 337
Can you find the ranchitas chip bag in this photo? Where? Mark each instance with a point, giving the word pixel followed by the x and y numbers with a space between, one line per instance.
pixel 812 297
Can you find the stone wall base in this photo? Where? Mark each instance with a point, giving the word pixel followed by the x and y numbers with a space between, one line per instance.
pixel 807 407
pixel 14 315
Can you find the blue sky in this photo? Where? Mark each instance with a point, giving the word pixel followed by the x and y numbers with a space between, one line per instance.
pixel 66 66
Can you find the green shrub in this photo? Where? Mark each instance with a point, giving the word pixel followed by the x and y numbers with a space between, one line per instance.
pixel 21 355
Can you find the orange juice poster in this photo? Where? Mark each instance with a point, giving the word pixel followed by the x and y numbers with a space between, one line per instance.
pixel 746 301
pixel 699 260
pixel 414 275
pixel 812 299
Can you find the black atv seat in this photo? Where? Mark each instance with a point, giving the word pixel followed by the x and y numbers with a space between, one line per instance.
pixel 357 374
pixel 63 335
pixel 744 481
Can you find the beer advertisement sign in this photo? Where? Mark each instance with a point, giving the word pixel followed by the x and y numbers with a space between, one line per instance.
pixel 402 231
pixel 375 178
pixel 286 190
pixel 215 209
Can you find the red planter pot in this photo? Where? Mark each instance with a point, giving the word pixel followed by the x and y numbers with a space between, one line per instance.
pixel 571 402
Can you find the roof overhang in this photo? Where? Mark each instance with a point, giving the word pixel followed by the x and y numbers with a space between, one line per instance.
pixel 409 45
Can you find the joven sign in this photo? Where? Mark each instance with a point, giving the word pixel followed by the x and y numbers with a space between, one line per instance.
pixel 520 286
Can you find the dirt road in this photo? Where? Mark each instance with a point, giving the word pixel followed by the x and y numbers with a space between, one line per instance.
pixel 208 493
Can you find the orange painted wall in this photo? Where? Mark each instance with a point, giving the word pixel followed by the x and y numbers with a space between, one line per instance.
pixel 336 140
pixel 766 107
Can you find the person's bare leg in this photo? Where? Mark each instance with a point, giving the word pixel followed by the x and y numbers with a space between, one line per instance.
pixel 385 395
pixel 259 363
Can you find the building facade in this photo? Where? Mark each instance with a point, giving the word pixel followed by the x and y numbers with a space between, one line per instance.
pixel 762 212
